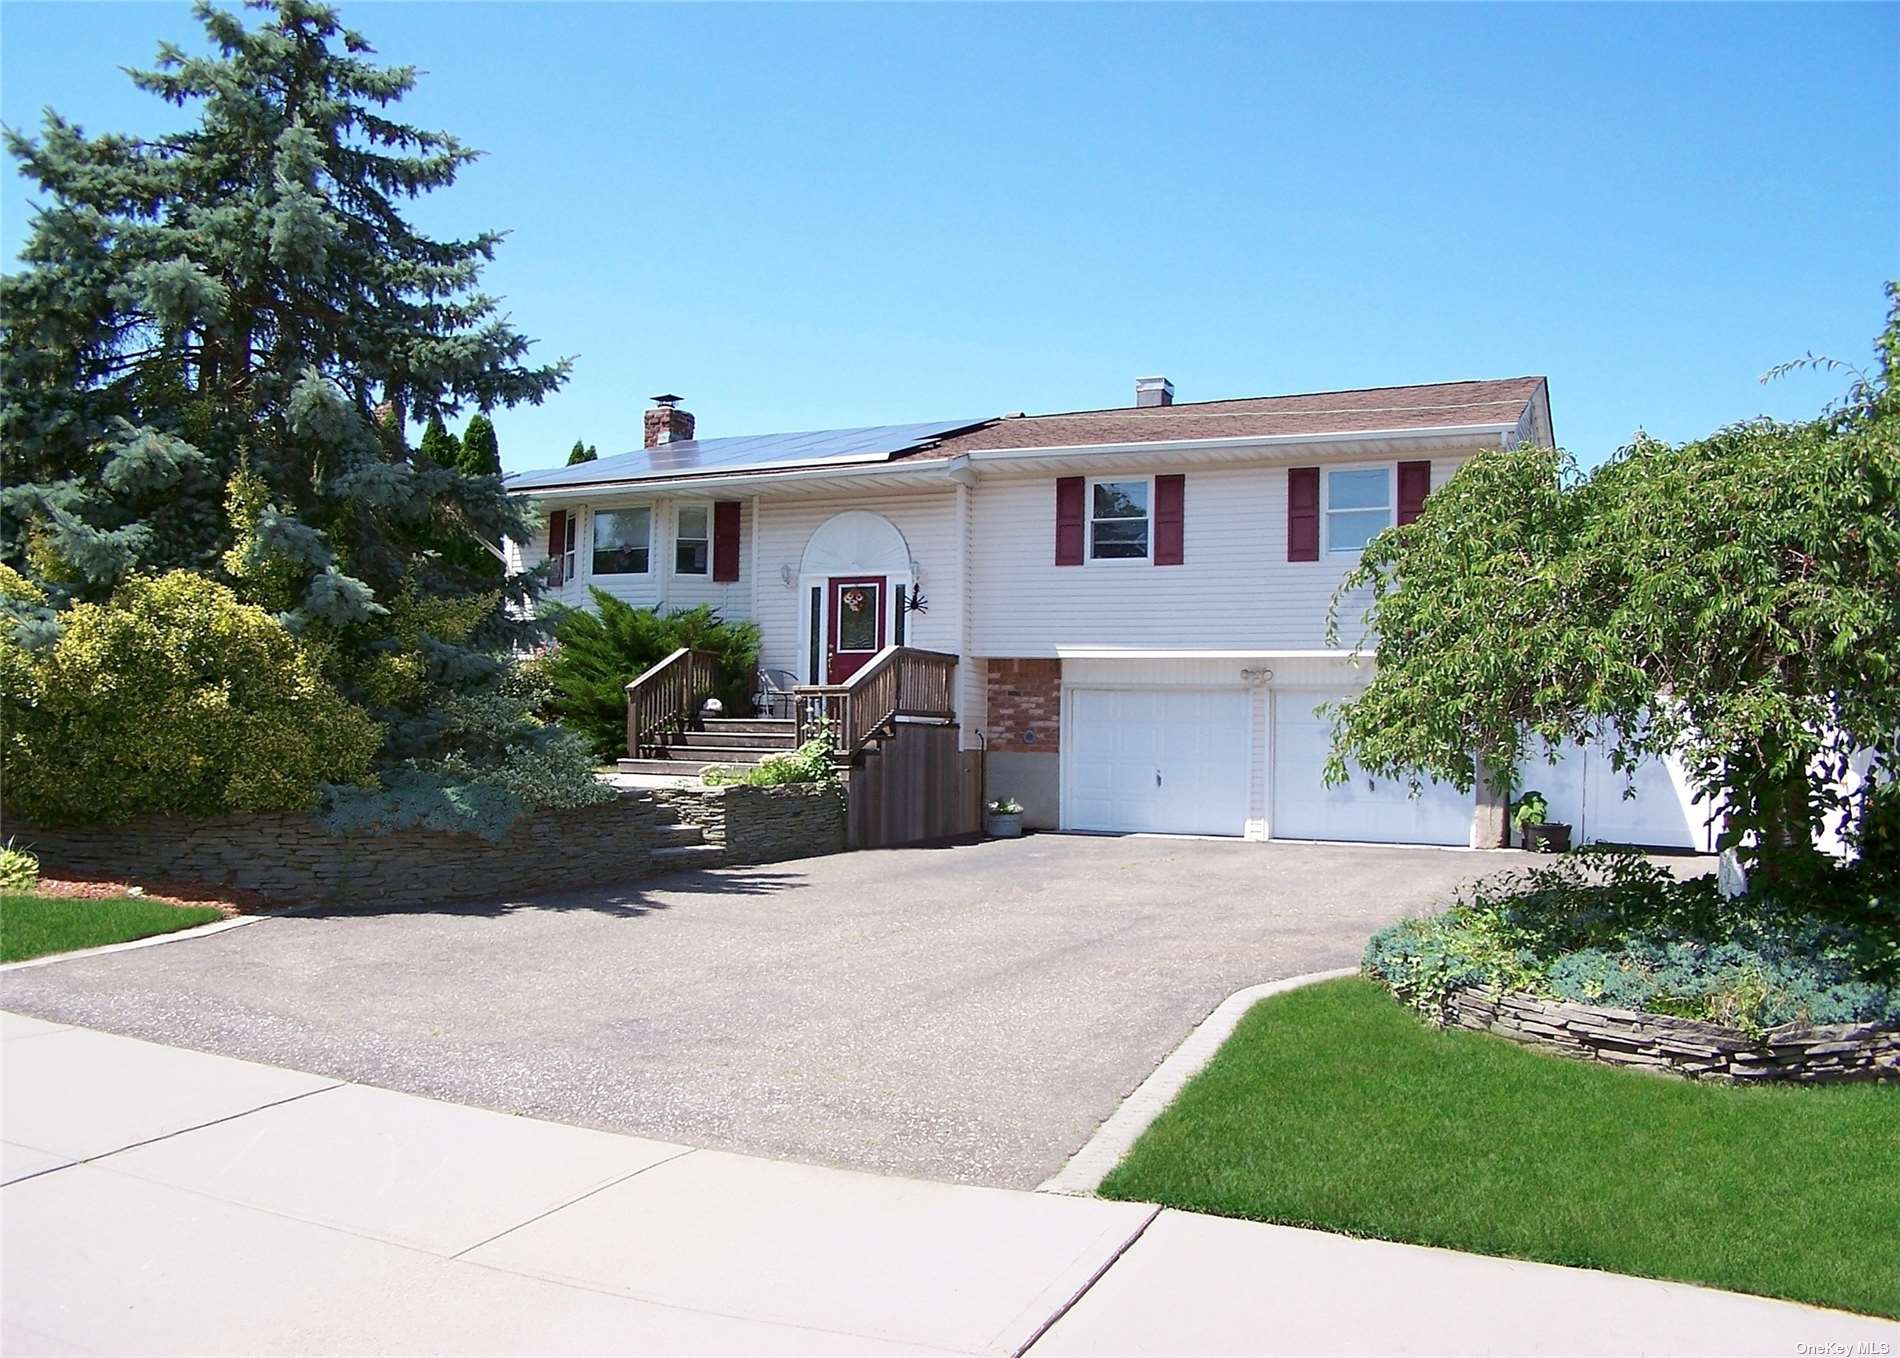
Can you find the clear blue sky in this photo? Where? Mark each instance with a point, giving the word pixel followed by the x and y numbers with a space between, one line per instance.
pixel 811 216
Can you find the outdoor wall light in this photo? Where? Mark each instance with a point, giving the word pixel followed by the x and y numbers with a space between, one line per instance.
pixel 788 575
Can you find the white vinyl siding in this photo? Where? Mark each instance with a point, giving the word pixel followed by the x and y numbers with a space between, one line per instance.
pixel 660 586
pixel 929 525
pixel 1236 588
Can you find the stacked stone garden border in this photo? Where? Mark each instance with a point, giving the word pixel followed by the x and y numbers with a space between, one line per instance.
pixel 291 859
pixel 1622 1037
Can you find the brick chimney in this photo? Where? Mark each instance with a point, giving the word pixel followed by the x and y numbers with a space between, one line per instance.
pixel 667 423
pixel 1154 391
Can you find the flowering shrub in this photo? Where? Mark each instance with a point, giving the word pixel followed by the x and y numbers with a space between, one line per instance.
pixel 809 763
pixel 1615 930
pixel 173 696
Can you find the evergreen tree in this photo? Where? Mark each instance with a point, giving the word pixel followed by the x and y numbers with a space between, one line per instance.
pixel 211 351
pixel 248 293
pixel 438 445
pixel 581 452
pixel 481 454
pixel 477 454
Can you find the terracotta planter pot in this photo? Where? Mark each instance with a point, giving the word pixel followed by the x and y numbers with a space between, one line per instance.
pixel 1547 837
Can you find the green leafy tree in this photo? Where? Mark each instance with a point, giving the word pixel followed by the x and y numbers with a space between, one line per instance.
pixel 597 654
pixel 1731 601
pixel 582 452
pixel 213 347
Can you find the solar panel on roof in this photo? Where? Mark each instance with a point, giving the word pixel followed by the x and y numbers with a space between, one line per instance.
pixel 750 452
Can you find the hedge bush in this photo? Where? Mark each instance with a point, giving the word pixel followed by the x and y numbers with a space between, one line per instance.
pixel 596 655
pixel 1611 928
pixel 173 696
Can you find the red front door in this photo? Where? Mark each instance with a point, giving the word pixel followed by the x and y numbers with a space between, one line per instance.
pixel 855 631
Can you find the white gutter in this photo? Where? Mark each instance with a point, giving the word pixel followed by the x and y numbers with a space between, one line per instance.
pixel 1237 441
pixel 1175 653
pixel 706 482
pixel 960 469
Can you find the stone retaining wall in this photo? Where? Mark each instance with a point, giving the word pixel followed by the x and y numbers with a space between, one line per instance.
pixel 291 859
pixel 1841 1051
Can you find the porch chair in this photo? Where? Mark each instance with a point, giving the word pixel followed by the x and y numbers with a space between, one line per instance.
pixel 774 695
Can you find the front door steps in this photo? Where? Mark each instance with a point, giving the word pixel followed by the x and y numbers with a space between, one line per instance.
pixel 720 740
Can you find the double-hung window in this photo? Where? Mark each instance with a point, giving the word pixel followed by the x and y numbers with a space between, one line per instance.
pixel 1358 507
pixel 1118 520
pixel 692 540
pixel 621 540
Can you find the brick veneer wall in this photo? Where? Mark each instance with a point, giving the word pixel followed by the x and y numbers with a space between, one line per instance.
pixel 1838 1051
pixel 291 859
pixel 1025 706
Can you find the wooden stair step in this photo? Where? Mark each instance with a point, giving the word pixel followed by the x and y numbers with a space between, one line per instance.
pixel 735 740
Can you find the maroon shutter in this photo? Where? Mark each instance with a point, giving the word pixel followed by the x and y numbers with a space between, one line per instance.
pixel 1302 514
pixel 1415 483
pixel 1069 527
pixel 557 546
pixel 725 543
pixel 1170 491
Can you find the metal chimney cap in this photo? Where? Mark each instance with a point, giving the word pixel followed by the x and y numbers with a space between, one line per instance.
pixel 667 399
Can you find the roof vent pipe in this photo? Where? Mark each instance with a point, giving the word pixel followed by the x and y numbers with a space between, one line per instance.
pixel 1154 391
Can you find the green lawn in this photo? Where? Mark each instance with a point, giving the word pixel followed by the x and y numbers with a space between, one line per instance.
pixel 1332 1106
pixel 32 926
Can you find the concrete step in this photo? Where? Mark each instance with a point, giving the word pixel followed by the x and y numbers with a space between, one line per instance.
pixel 687 855
pixel 665 768
pixel 681 836
pixel 736 740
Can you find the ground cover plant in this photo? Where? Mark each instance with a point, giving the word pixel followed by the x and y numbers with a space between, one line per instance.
pixel 1613 928
pixel 32 925
pixel 1333 1107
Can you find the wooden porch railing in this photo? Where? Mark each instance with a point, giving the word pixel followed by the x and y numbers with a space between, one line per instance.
pixel 899 681
pixel 662 702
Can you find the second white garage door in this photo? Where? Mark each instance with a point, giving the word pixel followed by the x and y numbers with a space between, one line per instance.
pixel 1162 760
pixel 1384 812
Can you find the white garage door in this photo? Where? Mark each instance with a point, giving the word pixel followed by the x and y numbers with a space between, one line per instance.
pixel 1164 760
pixel 1383 812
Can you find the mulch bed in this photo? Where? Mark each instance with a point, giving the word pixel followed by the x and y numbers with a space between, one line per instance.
pixel 230 900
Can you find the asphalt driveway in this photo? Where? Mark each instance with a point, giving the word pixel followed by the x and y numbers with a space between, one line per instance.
pixel 970 1013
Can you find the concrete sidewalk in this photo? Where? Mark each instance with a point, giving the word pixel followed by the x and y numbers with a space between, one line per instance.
pixel 168 1201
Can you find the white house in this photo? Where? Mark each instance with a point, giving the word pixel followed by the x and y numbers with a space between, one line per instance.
pixel 1137 596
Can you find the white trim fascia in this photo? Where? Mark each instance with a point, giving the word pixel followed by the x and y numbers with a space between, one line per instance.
pixel 1237 441
pixel 933 469
pixel 965 464
pixel 1178 653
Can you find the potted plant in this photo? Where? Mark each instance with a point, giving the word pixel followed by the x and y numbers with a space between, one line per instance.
pixel 1531 815
pixel 1003 818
